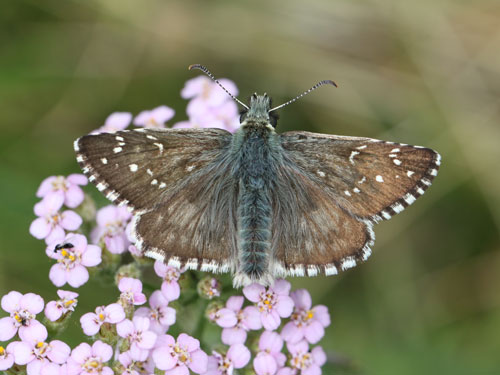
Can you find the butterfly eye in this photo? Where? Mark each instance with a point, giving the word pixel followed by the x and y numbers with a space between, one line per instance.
pixel 273 119
pixel 243 115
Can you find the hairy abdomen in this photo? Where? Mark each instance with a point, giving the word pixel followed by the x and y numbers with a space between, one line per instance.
pixel 255 173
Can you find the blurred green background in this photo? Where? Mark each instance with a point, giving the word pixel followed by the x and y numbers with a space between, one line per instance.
pixel 418 72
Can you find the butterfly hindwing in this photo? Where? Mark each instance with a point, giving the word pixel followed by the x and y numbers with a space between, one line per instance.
pixel 311 233
pixel 370 179
pixel 173 180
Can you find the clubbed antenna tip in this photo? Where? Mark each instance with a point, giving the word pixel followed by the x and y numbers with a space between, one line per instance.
pixel 207 72
pixel 321 83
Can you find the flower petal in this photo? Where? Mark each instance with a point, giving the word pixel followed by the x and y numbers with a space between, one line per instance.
pixel 40 228
pixel 239 355
pixel 92 256
pixel 102 350
pixel 32 302
pixel 199 361
pixel 10 302
pixel 59 351
pixel 8 328
pixel 253 291
pixel 71 220
pixel 77 276
pixel 163 358
pixel 302 299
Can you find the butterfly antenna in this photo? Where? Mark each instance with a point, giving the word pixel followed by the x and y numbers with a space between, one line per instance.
pixel 207 72
pixel 321 83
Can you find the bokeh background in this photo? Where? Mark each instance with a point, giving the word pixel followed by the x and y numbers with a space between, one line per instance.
pixel 419 72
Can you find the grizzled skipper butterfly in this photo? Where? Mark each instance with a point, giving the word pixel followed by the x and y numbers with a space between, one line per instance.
pixel 256 203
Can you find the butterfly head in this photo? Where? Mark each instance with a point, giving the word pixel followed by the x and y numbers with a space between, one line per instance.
pixel 259 111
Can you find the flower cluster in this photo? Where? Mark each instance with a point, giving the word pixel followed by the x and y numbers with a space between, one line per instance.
pixel 150 326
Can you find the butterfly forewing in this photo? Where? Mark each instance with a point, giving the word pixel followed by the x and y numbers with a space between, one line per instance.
pixel 140 168
pixel 173 180
pixel 368 178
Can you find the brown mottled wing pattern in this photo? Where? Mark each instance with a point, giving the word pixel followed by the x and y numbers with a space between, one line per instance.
pixel 343 185
pixel 172 180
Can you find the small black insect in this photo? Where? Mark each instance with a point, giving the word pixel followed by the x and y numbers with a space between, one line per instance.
pixel 63 246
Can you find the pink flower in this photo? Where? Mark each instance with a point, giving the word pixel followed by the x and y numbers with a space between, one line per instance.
pixel 115 122
pixel 111 224
pixel 7 356
pixel 204 93
pixel 34 352
pixel 73 255
pixel 92 322
pixel 50 223
pixel 273 302
pixel 137 334
pixel 67 302
pixel 22 310
pixel 226 116
pixel 237 321
pixel 269 358
pixel 86 359
pixel 131 291
pixel 155 118
pixel 170 286
pixel 136 366
pixel 306 322
pixel 67 187
pixel 160 315
pixel 303 360
pixel 178 357
pixel 237 357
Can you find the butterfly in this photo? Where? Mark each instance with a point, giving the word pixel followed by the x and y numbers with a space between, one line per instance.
pixel 255 203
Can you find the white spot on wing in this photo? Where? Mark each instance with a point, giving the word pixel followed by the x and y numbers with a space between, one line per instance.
pixel 162 185
pixel 321 173
pixel 116 150
pixel 149 171
pixel 79 158
pixel 397 161
pixel 154 182
pixel 331 270
pixel 189 168
pixel 104 161
pixel 386 215
pixel 154 255
pixel 434 172
pixel 118 138
pixel 348 263
pixel 438 159
pixel 409 173
pixel 356 190
pixel 395 150
pixel 160 146
pixel 361 147
pixel 409 198
pixel 362 180
pixel 379 178
pixel 149 136
pixel 100 186
pixel 133 167
pixel 398 207
pixel 353 154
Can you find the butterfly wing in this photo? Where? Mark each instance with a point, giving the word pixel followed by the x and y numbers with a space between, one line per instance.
pixel 343 185
pixel 177 183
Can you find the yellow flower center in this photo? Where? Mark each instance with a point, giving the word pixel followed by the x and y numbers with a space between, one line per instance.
pixel 2 350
